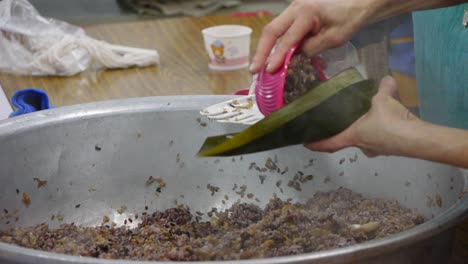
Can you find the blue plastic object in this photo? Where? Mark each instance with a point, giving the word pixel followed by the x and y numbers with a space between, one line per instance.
pixel 401 53
pixel 29 100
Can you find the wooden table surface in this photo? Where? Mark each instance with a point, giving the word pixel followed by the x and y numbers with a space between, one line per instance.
pixel 183 68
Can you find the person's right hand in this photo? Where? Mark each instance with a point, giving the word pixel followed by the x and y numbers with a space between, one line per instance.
pixel 322 23
pixel 388 128
pixel 379 131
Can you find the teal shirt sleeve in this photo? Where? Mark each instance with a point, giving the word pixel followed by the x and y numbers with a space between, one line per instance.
pixel 441 52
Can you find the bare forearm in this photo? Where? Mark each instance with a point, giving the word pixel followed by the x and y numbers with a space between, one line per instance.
pixel 436 143
pixel 382 9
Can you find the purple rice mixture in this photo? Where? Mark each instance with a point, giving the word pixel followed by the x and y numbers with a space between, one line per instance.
pixel 329 220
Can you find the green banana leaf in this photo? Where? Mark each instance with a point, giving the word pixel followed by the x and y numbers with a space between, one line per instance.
pixel 322 112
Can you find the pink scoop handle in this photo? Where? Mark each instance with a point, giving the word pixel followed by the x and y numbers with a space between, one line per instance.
pixel 269 88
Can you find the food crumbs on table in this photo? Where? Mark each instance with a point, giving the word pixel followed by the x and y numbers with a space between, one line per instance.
pixel 295 185
pixel 262 178
pixel 342 160
pixel 160 181
pixel 439 200
pixel 226 197
pixel 150 181
pixel 250 195
pixel 270 164
pixel 139 134
pixel 52 217
pixel 242 190
pixel 284 171
pixel 17 191
pixel 341 173
pixel 5 211
pixel 146 208
pixel 26 200
pixel 213 189
pixel 122 209
pixel 125 221
pixel 97 147
pixel 60 217
pixel 278 183
pixel 40 183
pixel 77 206
pixel 91 189
pixel 310 164
pixel 354 159
pixel 105 219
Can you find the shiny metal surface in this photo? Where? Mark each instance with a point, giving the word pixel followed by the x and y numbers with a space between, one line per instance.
pixel 100 155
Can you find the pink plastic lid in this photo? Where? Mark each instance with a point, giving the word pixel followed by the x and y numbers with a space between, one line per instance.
pixel 269 88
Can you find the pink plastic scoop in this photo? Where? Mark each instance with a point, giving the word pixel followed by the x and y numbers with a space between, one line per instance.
pixel 269 88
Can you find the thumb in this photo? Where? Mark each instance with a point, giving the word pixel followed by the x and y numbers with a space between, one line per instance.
pixel 331 144
pixel 389 86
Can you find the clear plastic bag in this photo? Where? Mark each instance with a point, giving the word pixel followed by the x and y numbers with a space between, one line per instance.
pixel 33 45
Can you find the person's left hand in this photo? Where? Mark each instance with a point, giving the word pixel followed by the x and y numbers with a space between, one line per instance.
pixel 379 131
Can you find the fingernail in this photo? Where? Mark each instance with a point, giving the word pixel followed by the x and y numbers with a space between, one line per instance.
pixel 269 67
pixel 388 80
pixel 252 67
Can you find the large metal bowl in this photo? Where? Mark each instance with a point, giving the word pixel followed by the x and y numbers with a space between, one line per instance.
pixel 100 155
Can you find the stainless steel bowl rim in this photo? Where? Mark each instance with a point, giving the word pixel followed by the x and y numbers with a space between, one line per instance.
pixel 451 217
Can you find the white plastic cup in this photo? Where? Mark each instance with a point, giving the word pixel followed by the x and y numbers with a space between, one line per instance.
pixel 228 46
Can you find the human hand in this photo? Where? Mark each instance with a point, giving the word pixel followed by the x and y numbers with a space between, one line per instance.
pixel 323 24
pixel 380 131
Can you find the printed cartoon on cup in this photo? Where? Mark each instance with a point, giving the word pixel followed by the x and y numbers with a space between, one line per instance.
pixel 218 51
